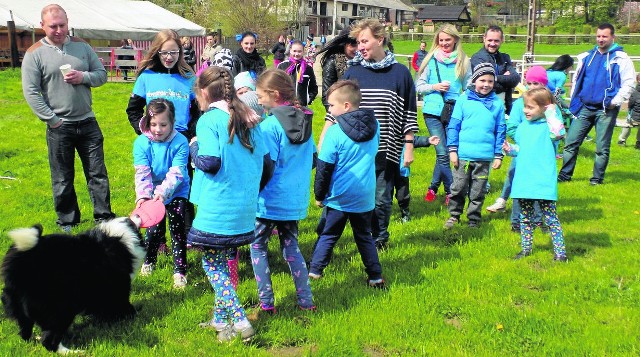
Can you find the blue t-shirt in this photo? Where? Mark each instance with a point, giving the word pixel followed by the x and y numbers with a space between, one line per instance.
pixel 226 200
pixel 160 157
pixel 536 172
pixel 286 196
pixel 556 79
pixel 353 183
pixel 170 86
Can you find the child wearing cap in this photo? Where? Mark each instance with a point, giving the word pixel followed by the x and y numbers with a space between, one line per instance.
pixel 245 87
pixel 474 141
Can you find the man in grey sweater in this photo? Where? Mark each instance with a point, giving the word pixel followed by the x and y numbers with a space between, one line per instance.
pixel 63 102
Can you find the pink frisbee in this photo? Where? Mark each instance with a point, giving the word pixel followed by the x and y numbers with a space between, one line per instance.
pixel 151 212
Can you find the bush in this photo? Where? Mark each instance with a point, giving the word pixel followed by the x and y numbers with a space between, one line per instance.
pixel 481 29
pixel 586 30
pixel 572 30
pixel 405 28
pixel 465 29
pixel 624 30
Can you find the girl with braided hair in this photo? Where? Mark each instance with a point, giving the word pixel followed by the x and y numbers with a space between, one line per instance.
pixel 232 165
pixel 284 201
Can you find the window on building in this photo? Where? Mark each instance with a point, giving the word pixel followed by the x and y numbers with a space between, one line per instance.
pixel 323 8
pixel 345 7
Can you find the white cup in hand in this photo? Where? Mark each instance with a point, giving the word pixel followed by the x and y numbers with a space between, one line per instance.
pixel 446 84
pixel 65 68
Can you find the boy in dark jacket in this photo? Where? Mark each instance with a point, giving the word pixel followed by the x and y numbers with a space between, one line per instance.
pixel 345 180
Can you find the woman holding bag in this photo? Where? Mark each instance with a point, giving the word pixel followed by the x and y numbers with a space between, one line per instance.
pixel 442 77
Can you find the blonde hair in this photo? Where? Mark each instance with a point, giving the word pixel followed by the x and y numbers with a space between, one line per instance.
pixel 540 96
pixel 463 61
pixel 217 82
pixel 346 90
pixel 152 58
pixel 374 25
pixel 273 80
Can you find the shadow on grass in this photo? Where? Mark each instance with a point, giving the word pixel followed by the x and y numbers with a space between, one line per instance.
pixel 580 209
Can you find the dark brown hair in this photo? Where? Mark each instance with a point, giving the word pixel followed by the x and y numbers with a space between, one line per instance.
pixel 155 107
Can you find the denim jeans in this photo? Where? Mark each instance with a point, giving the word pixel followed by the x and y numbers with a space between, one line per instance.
pixel 580 127
pixel 506 187
pixel 385 177
pixel 334 224
pixel 403 196
pixel 85 137
pixel 442 170
pixel 288 234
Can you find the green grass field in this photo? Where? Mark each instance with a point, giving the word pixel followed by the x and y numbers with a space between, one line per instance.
pixel 450 293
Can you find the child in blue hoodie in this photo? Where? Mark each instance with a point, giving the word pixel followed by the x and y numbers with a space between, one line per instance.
pixel 160 157
pixel 345 182
pixel 474 140
pixel 285 199
pixel 534 180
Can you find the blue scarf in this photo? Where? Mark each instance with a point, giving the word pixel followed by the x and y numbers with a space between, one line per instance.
pixel 387 61
pixel 486 100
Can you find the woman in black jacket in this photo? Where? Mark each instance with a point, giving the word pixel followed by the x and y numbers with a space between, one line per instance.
pixel 334 60
pixel 247 57
pixel 189 52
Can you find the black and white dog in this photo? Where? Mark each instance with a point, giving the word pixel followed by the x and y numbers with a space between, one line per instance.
pixel 49 279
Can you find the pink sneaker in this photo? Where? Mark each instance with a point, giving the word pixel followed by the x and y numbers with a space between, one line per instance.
pixel 430 196
pixel 446 200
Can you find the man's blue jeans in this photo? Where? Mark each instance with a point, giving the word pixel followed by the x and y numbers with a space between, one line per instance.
pixel 86 138
pixel 442 170
pixel 604 122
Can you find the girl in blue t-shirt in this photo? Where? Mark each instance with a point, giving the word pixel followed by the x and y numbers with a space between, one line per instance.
pixel 535 178
pixel 232 164
pixel 160 156
pixel 285 199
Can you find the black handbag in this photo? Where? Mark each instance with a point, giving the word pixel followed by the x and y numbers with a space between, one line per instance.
pixel 447 109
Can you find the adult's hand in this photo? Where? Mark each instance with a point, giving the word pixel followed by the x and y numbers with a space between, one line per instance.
pixel 74 77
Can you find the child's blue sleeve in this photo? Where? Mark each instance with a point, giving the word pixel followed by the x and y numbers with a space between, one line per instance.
pixel 501 133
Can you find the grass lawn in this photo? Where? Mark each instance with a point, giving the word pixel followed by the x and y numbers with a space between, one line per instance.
pixel 450 293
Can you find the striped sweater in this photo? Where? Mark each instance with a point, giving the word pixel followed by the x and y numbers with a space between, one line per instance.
pixel 390 93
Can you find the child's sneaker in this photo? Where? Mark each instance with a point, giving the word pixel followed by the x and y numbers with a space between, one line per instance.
pixel 452 221
pixel 522 254
pixel 406 216
pixel 560 258
pixel 622 142
pixel 311 308
pixel 498 206
pixel 377 284
pixel 218 326
pixel 269 309
pixel 179 281
pixel 430 196
pixel 315 276
pixel 147 269
pixel 447 199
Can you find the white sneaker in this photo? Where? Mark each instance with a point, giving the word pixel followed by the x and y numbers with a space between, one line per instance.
pixel 179 281
pixel 498 206
pixel 147 269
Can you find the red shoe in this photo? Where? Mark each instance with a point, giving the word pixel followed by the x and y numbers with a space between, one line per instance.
pixel 446 200
pixel 430 196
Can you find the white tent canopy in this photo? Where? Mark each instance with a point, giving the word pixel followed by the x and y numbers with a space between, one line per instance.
pixel 103 20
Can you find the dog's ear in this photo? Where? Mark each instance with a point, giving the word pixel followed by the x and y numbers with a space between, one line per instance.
pixel 38 227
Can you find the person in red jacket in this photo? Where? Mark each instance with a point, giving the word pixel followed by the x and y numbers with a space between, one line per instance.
pixel 418 56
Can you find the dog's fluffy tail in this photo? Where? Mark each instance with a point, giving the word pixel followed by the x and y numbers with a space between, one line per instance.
pixel 25 238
